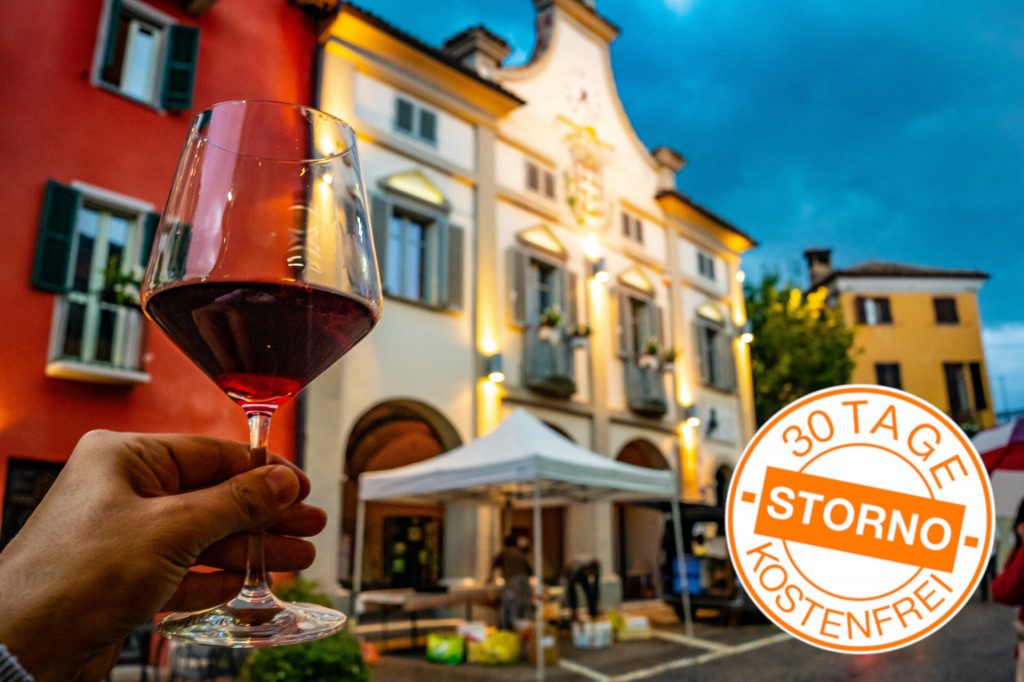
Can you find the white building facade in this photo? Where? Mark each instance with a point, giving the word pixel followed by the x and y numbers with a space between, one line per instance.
pixel 521 225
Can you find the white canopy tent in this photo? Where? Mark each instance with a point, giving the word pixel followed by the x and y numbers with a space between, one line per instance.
pixel 521 462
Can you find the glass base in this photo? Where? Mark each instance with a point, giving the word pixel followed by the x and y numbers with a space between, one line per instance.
pixel 240 623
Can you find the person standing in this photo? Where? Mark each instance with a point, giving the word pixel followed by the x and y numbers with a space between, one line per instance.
pixel 1008 586
pixel 515 592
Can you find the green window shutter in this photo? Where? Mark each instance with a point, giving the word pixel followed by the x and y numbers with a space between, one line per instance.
pixel 380 213
pixel 659 325
pixel 572 307
pixel 517 285
pixel 624 333
pixel 56 232
pixel 148 234
pixel 113 21
pixel 428 126
pixel 403 115
pixel 702 352
pixel 453 286
pixel 180 69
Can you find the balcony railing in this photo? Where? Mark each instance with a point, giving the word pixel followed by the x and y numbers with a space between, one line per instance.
pixel 548 364
pixel 645 389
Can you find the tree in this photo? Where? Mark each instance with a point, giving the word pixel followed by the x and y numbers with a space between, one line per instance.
pixel 800 344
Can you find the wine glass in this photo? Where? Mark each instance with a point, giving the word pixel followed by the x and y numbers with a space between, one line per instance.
pixel 263 273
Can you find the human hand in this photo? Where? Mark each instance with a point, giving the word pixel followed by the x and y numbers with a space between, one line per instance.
pixel 112 543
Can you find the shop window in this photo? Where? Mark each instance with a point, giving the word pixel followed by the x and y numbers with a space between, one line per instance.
pixel 145 55
pixel 27 483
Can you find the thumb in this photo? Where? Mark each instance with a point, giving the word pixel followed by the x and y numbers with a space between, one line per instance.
pixel 245 502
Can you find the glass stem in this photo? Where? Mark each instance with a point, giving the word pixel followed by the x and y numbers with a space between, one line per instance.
pixel 256 588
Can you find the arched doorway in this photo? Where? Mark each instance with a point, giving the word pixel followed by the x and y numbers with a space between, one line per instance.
pixel 723 477
pixel 638 529
pixel 403 543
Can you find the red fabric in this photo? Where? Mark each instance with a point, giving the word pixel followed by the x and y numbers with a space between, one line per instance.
pixel 1008 586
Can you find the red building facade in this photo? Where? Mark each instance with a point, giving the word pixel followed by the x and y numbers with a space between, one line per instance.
pixel 97 99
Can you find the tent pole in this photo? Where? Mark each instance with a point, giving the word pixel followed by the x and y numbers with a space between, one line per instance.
pixel 538 572
pixel 357 577
pixel 684 586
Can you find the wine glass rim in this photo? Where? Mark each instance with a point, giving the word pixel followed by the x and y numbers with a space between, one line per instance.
pixel 347 131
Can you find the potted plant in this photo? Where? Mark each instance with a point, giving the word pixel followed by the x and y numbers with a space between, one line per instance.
pixel 649 358
pixel 122 287
pixel 668 358
pixel 550 320
pixel 338 657
pixel 580 333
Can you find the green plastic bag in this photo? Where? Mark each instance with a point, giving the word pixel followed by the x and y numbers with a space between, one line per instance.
pixel 447 649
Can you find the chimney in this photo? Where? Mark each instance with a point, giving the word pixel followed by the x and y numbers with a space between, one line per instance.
pixel 478 49
pixel 669 163
pixel 819 264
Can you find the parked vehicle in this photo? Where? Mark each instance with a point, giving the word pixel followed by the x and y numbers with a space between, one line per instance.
pixel 711 580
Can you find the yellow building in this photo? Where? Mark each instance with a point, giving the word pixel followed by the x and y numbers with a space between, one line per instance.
pixel 917 329
pixel 521 224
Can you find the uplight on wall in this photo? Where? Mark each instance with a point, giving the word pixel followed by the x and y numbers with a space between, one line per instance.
pixel 599 271
pixel 690 417
pixel 495 368
pixel 747 333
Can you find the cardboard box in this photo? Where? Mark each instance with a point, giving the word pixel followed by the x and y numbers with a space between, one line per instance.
pixel 472 631
pixel 634 628
pixel 548 644
pixel 595 634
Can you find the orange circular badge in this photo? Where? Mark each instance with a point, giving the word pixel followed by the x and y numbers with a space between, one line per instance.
pixel 860 519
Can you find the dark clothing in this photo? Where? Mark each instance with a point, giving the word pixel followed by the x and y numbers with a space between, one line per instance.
pixel 515 594
pixel 512 563
pixel 586 575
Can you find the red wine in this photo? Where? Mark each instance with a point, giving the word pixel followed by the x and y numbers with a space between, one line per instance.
pixel 260 342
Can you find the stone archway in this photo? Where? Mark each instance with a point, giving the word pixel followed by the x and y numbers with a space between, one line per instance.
pixel 638 529
pixel 403 542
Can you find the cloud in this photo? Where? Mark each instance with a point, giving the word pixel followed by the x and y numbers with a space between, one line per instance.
pixel 680 7
pixel 1004 354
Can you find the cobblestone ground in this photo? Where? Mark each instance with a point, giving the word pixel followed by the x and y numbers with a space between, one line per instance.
pixel 977 645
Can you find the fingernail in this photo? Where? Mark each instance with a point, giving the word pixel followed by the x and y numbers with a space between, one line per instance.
pixel 283 482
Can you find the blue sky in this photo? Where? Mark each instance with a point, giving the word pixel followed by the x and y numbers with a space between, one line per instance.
pixel 885 129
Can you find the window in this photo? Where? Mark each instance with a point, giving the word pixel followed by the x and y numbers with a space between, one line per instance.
pixel 956 389
pixel 632 228
pixel 706 265
pixel 978 386
pixel 888 374
pixel 714 349
pixel 640 322
pixel 145 55
pixel 415 121
pixel 945 311
pixel 540 180
pixel 540 282
pixel 873 311
pixel 419 252
pixel 962 396
pixel 92 248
